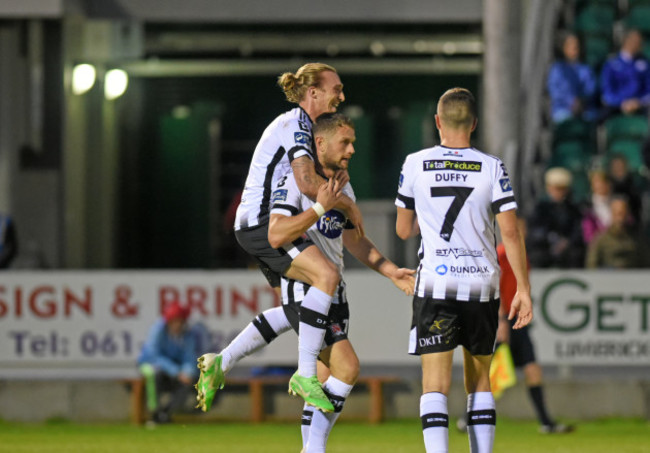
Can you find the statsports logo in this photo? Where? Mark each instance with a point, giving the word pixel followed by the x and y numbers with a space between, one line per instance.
pixel 331 224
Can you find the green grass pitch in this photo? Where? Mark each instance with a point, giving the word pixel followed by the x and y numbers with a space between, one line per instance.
pixel 404 436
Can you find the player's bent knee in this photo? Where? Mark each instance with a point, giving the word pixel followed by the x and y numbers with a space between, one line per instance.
pixel 328 277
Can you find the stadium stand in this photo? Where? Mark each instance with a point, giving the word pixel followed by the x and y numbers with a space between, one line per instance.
pixel 581 146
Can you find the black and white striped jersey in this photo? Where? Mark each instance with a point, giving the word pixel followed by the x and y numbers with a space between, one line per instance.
pixel 456 194
pixel 288 137
pixel 327 232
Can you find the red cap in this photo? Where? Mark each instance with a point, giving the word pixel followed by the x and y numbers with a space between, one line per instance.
pixel 175 310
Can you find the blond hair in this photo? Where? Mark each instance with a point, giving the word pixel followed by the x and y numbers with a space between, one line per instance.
pixel 457 108
pixel 295 85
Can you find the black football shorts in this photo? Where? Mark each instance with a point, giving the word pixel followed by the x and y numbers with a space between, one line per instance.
pixel 442 325
pixel 273 262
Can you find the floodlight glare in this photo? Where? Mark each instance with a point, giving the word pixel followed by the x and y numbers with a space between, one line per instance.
pixel 115 84
pixel 83 78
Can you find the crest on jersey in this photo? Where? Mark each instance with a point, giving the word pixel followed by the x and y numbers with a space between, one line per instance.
pixel 505 185
pixel 302 138
pixel 331 224
pixel 401 179
pixel 279 195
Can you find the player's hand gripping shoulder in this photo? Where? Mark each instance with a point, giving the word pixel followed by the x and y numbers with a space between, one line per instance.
pixel 404 280
pixel 329 193
pixel 342 176
pixel 522 307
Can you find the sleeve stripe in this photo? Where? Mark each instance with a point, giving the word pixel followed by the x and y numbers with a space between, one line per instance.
pixel 296 149
pixel 286 207
pixel 496 205
pixel 409 203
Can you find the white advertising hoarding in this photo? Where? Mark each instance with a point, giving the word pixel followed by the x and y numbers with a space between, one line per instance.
pixel 92 324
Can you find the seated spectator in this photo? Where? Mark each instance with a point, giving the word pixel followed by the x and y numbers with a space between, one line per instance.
pixel 597 216
pixel 625 78
pixel 623 183
pixel 572 85
pixel 619 247
pixel 8 241
pixel 168 363
pixel 554 231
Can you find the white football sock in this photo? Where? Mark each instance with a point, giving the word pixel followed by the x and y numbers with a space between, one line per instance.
pixel 307 415
pixel 435 422
pixel 311 331
pixel 321 422
pixel 481 421
pixel 258 333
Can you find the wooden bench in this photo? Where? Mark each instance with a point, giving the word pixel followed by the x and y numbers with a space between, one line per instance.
pixel 256 386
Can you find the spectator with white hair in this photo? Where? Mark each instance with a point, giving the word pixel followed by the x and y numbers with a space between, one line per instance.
pixel 555 234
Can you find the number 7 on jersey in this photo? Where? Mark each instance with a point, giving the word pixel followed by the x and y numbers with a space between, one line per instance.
pixel 460 195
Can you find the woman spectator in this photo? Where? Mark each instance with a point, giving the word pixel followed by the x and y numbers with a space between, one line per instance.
pixel 598 215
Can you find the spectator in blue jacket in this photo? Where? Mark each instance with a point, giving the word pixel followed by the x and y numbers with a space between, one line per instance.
pixel 168 362
pixel 572 85
pixel 625 78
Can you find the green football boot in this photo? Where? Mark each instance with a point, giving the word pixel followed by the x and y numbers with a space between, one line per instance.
pixel 309 389
pixel 211 379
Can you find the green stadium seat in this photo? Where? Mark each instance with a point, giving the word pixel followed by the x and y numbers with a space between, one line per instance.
pixel 626 127
pixel 596 48
pixel 595 19
pixel 580 187
pixel 646 49
pixel 571 155
pixel 571 129
pixel 639 18
pixel 629 148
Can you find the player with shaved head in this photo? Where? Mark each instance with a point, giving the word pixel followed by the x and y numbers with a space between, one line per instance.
pixel 452 194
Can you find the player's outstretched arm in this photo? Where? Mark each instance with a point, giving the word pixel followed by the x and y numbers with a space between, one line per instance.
pixel 407 223
pixel 284 229
pixel 308 181
pixel 513 241
pixel 365 251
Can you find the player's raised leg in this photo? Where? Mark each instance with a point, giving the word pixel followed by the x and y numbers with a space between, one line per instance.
pixel 481 408
pixel 257 334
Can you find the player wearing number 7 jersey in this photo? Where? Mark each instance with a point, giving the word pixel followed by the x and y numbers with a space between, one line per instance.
pixel 452 195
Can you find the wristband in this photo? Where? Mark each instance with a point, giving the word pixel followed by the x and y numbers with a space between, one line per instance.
pixel 320 210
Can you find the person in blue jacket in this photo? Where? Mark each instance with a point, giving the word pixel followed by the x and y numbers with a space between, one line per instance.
pixel 168 362
pixel 625 78
pixel 572 85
